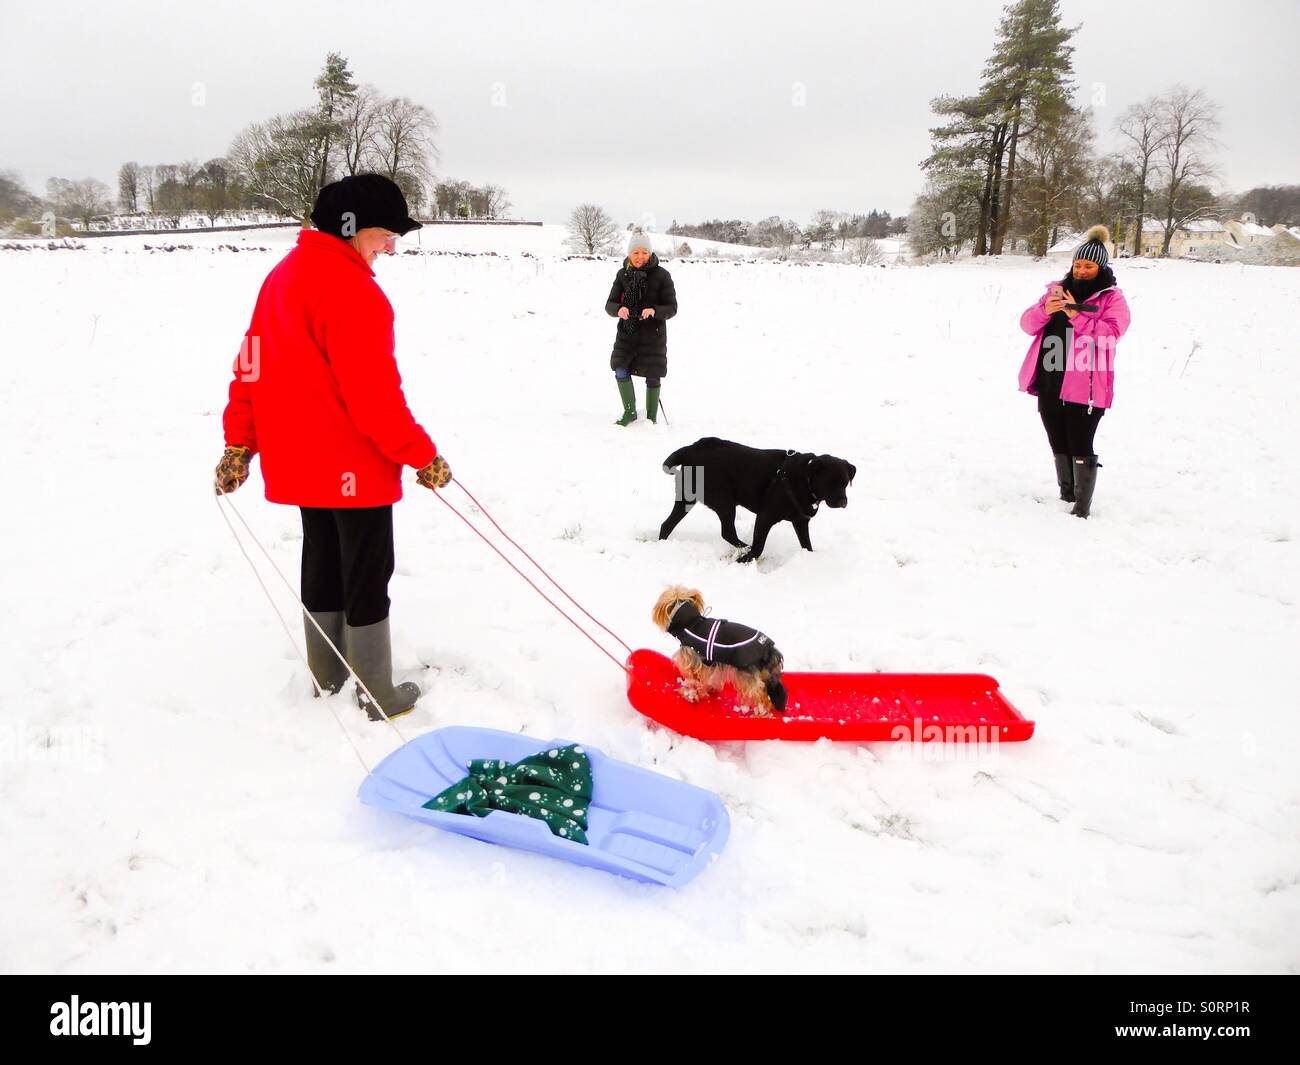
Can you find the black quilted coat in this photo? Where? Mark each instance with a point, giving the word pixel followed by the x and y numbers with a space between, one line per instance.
pixel 642 345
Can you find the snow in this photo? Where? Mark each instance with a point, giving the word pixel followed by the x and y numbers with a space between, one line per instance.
pixel 173 799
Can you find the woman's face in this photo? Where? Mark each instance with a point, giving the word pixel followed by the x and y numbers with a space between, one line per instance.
pixel 1085 270
pixel 638 257
pixel 372 240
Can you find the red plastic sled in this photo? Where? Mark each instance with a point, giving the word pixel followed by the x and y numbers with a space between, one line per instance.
pixel 911 707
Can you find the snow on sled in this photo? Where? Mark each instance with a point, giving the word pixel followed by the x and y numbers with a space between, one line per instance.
pixel 640 824
pixel 911 707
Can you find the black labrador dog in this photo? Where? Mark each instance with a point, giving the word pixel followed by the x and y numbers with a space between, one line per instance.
pixel 776 485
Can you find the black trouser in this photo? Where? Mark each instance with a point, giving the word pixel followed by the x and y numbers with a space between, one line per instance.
pixel 347 560
pixel 1070 428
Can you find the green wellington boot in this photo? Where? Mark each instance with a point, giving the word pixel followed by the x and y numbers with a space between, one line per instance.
pixel 628 395
pixel 652 403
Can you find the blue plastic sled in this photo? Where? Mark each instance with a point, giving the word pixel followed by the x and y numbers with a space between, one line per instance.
pixel 640 824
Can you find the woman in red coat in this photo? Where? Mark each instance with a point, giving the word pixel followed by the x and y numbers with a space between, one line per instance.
pixel 317 394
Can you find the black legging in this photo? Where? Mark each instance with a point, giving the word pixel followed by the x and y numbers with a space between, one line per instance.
pixel 347 561
pixel 1070 428
pixel 624 374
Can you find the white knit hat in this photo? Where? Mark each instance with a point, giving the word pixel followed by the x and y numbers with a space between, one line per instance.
pixel 638 239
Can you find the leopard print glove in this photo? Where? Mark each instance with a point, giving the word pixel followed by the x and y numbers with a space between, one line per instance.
pixel 232 470
pixel 435 475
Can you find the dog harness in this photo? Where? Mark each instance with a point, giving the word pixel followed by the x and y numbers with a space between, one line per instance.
pixel 806 510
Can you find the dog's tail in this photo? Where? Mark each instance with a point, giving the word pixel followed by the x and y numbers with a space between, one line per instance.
pixel 684 455
pixel 677 458
pixel 771 675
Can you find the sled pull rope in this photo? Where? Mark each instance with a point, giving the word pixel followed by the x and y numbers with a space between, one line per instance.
pixel 307 614
pixel 595 643
pixel 538 565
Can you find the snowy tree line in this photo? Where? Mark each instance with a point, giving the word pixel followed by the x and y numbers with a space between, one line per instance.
pixel 277 166
pixel 827 229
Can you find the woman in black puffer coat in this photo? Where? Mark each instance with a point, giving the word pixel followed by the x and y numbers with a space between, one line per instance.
pixel 642 298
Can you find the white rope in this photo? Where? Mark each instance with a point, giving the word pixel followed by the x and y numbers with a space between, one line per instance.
pixel 307 614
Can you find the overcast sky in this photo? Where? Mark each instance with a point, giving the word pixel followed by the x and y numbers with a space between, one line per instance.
pixel 657 110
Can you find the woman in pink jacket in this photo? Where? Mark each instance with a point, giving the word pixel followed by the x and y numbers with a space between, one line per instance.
pixel 1070 365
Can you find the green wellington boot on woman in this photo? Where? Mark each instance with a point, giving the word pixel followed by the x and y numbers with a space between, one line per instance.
pixel 652 403
pixel 628 395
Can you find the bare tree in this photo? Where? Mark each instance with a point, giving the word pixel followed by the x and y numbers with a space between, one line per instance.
pixel 82 200
pixel 1056 159
pixel 495 201
pixel 590 229
pixel 404 140
pixel 1144 138
pixel 216 191
pixel 128 186
pixel 149 186
pixel 358 122
pixel 1188 119
pixel 866 251
pixel 822 228
pixel 948 214
pixel 278 162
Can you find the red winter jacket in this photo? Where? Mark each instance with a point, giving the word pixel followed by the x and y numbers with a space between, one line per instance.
pixel 316 390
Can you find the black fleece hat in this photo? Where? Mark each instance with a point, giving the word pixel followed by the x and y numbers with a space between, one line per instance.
pixel 346 206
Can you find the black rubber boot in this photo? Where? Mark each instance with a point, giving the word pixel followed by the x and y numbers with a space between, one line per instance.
pixel 328 669
pixel 1065 476
pixel 1085 481
pixel 628 395
pixel 370 654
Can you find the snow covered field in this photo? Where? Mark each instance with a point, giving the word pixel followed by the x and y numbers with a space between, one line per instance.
pixel 172 798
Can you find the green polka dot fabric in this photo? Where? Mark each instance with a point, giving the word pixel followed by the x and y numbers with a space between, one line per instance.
pixel 552 786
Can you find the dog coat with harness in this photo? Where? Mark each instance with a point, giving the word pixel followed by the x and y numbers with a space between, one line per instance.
pixel 728 643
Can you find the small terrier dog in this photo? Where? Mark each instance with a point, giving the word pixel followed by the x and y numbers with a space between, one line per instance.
pixel 715 651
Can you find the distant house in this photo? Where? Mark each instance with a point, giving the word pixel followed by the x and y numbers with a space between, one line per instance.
pixel 1292 231
pixel 1200 236
pixel 1249 234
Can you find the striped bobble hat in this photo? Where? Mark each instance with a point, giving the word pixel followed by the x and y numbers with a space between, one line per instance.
pixel 1093 247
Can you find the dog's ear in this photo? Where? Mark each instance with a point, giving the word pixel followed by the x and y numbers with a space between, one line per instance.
pixel 853 470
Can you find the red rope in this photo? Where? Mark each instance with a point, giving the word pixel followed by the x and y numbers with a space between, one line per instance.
pixel 536 563
pixel 622 668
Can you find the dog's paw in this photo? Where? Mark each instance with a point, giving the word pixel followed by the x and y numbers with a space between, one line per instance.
pixel 753 710
pixel 747 556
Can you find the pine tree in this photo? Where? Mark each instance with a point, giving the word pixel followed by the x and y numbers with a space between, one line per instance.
pixel 1026 76
pixel 1029 75
pixel 337 90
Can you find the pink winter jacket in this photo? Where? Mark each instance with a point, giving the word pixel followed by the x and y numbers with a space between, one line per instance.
pixel 1090 369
